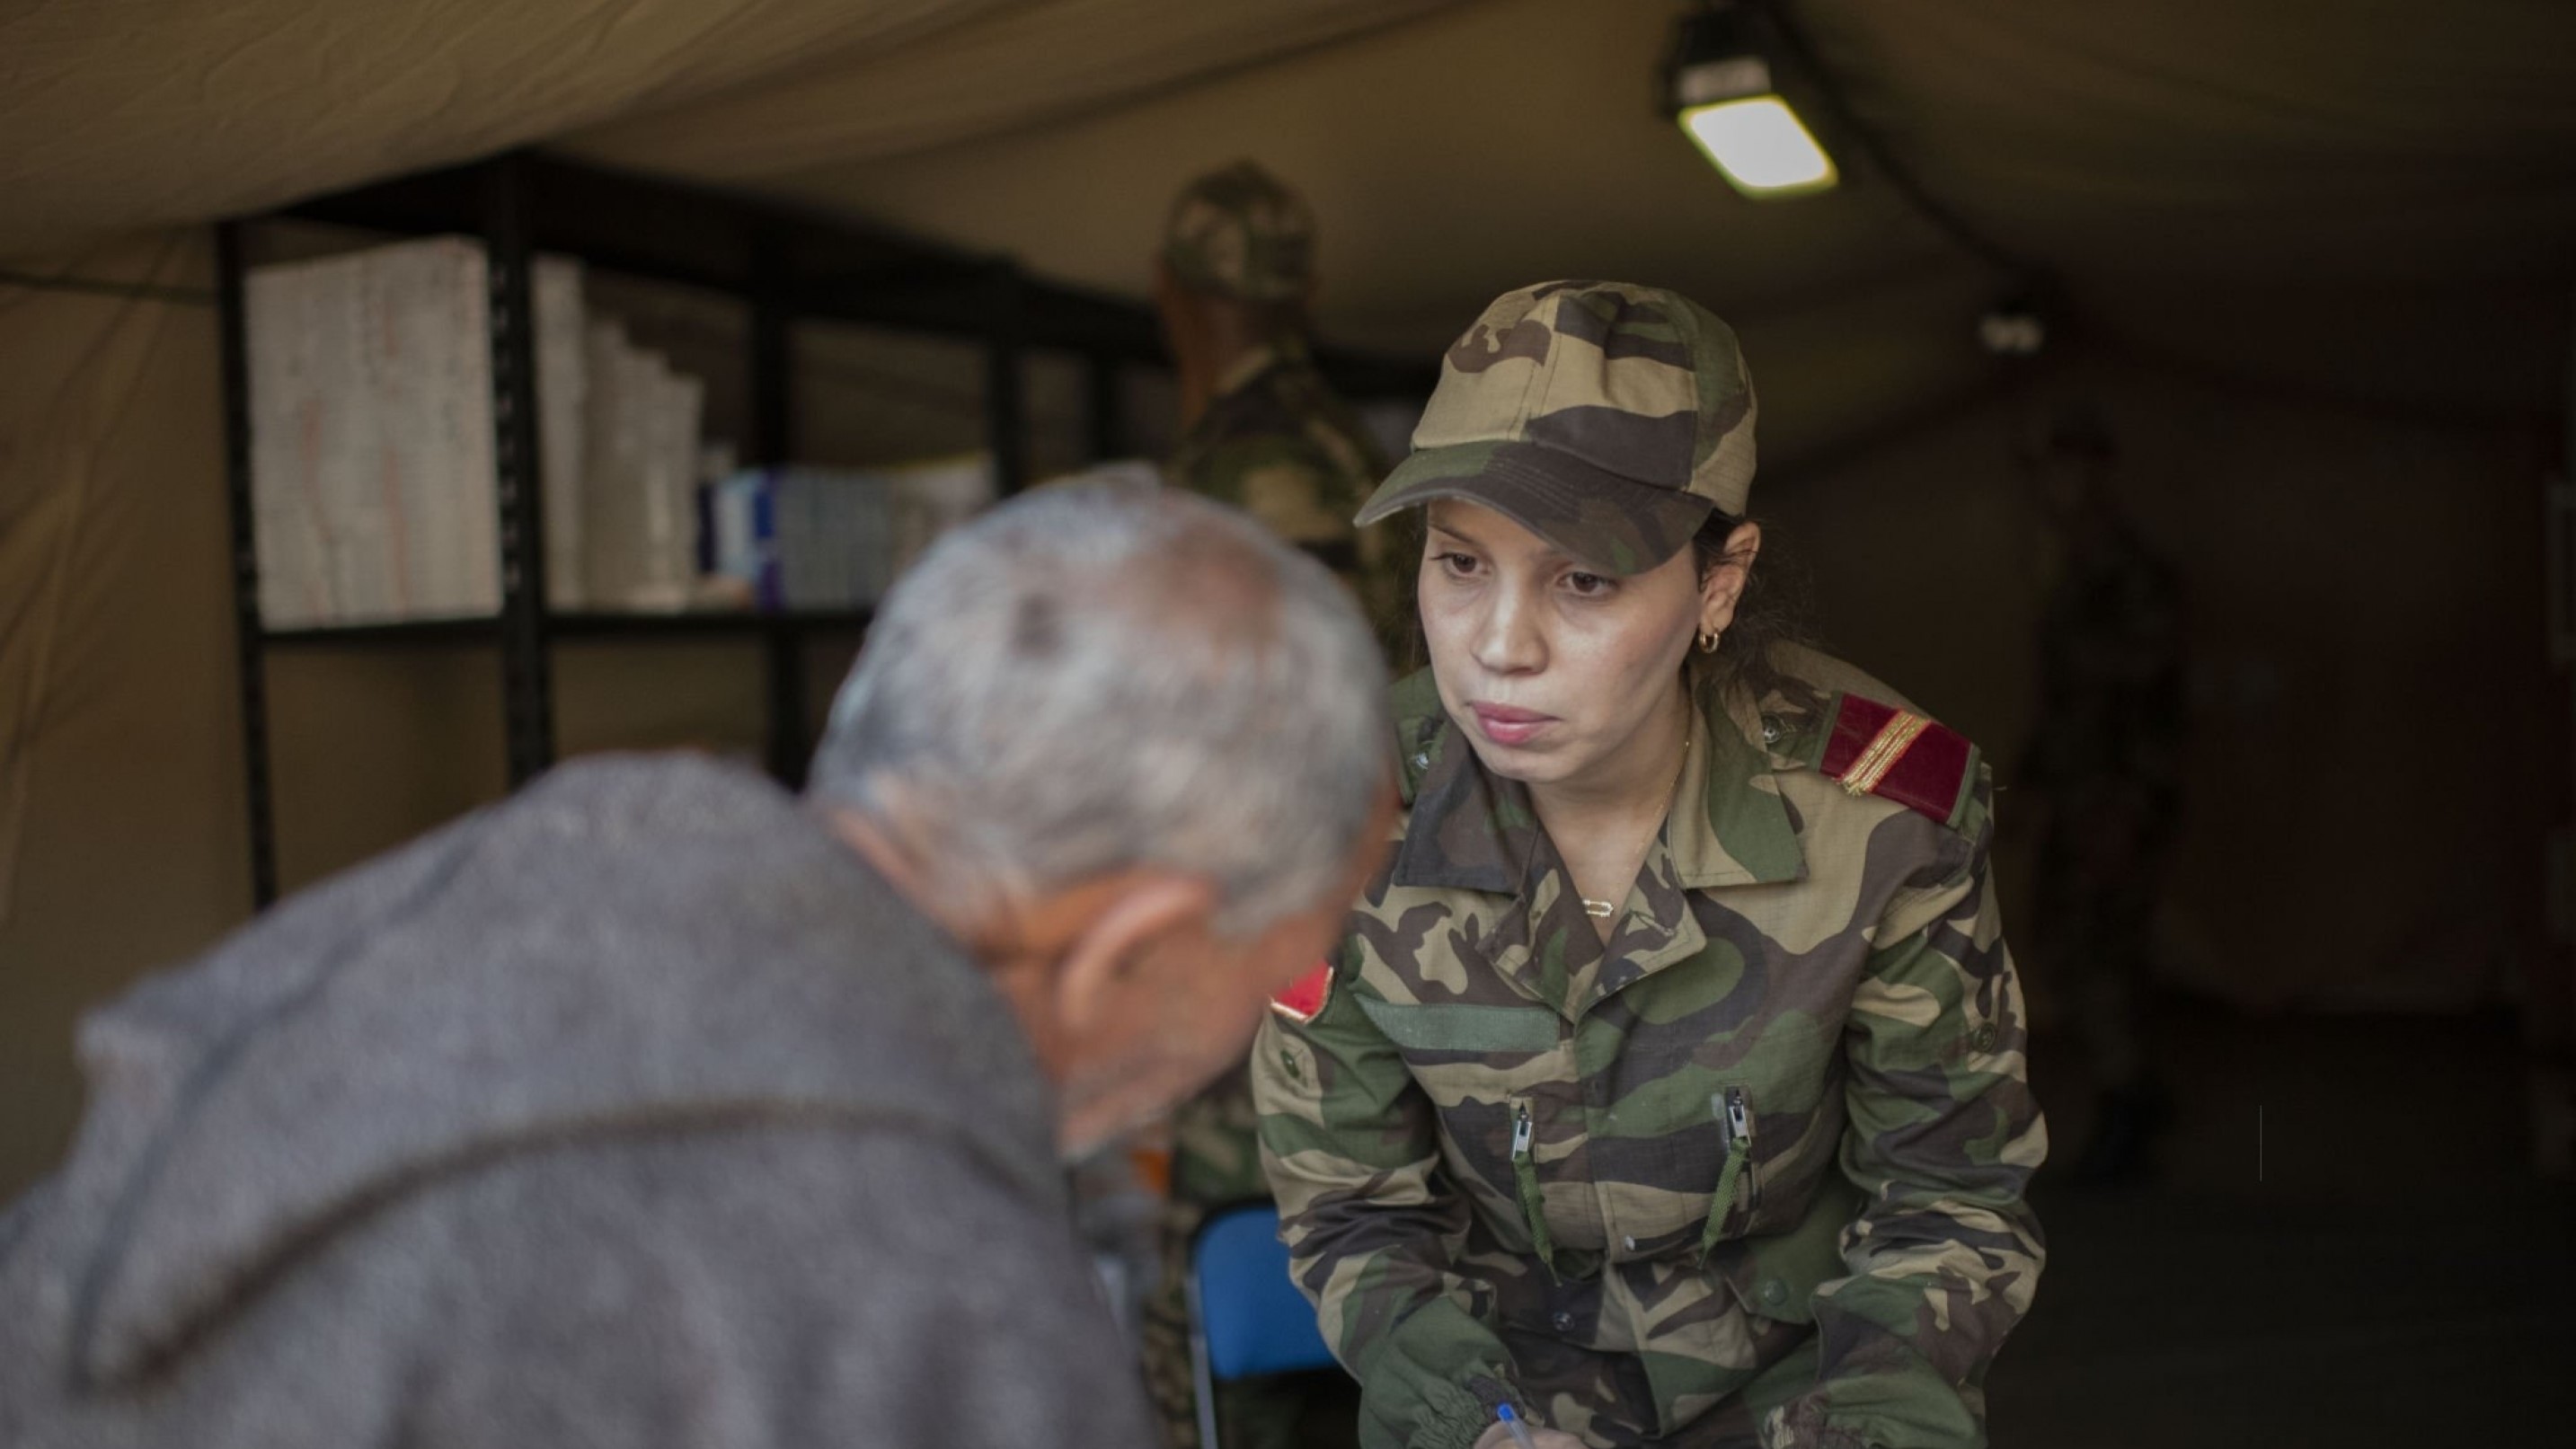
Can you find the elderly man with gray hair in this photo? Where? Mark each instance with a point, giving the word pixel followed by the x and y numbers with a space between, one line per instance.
pixel 657 1107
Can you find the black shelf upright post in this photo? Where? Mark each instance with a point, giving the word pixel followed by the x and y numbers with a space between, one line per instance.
pixel 773 359
pixel 249 651
pixel 773 442
pixel 1104 417
pixel 526 673
pixel 1005 343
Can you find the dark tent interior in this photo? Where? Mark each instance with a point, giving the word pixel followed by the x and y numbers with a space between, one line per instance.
pixel 2305 272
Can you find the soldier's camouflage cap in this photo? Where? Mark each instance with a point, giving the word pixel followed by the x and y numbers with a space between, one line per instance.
pixel 1241 232
pixel 1606 418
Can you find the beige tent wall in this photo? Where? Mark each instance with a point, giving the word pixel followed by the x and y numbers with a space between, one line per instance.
pixel 120 750
pixel 373 745
pixel 2369 694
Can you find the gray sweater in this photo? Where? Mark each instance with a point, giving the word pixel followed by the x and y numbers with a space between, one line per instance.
pixel 634 1111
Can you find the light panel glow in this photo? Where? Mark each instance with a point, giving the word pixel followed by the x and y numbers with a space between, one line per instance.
pixel 1760 146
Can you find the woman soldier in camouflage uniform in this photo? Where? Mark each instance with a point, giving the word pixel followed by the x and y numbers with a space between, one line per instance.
pixel 1670 1083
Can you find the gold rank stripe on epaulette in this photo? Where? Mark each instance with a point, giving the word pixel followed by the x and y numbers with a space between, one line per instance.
pixel 1896 754
pixel 1884 751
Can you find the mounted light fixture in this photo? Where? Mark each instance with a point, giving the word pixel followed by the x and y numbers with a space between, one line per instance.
pixel 1719 87
pixel 2014 327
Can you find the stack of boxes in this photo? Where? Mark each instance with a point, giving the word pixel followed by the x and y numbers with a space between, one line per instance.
pixel 800 538
pixel 639 493
pixel 563 424
pixel 372 459
pixel 371 436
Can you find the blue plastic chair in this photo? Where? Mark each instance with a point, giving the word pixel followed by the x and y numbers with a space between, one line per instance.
pixel 1247 1318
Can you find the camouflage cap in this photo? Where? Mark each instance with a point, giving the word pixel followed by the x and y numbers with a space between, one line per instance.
pixel 1606 418
pixel 1240 232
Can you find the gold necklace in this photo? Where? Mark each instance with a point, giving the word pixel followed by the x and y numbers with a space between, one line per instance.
pixel 1603 910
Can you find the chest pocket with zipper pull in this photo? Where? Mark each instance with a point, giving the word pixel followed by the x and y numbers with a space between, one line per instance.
pixel 1525 1178
pixel 1737 1188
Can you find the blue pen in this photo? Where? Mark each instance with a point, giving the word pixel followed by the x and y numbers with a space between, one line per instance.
pixel 1512 1421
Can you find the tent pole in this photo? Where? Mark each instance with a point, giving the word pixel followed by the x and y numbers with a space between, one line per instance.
pixel 249 640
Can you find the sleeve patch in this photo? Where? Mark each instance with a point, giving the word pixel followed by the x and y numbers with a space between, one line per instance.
pixel 1878 749
pixel 1305 997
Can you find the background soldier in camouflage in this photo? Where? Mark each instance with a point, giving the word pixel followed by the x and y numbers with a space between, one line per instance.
pixel 1670 1084
pixel 1263 431
pixel 2105 762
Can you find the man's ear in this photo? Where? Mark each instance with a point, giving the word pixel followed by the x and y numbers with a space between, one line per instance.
pixel 1149 915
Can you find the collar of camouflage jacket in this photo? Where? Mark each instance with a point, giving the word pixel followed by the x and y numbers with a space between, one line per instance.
pixel 1472 830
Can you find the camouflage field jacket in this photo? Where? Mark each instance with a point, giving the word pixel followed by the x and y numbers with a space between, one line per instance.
pixel 1279 444
pixel 1756 1167
pixel 1276 442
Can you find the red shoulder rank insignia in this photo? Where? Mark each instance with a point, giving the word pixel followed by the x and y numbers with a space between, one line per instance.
pixel 1304 999
pixel 1895 754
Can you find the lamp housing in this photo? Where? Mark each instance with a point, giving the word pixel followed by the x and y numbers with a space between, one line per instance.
pixel 1719 87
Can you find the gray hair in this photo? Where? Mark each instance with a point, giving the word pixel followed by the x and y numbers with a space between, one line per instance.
pixel 1096 677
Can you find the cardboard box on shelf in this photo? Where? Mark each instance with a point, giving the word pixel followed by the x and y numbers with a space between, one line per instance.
pixel 563 431
pixel 807 538
pixel 371 435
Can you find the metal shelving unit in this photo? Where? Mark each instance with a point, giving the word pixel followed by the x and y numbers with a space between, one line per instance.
pixel 787 266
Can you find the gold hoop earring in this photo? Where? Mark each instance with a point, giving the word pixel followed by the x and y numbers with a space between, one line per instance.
pixel 1708 640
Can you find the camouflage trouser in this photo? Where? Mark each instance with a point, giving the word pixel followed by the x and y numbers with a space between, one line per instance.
pixel 1216 1160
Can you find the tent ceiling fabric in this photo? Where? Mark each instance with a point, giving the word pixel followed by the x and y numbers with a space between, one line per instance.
pixel 1442 173
pixel 122 114
pixel 1018 68
pixel 2363 202
pixel 2358 201
pixel 2366 201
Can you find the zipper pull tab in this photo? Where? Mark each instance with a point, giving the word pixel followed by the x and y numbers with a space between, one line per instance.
pixel 1525 1178
pixel 1732 1178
